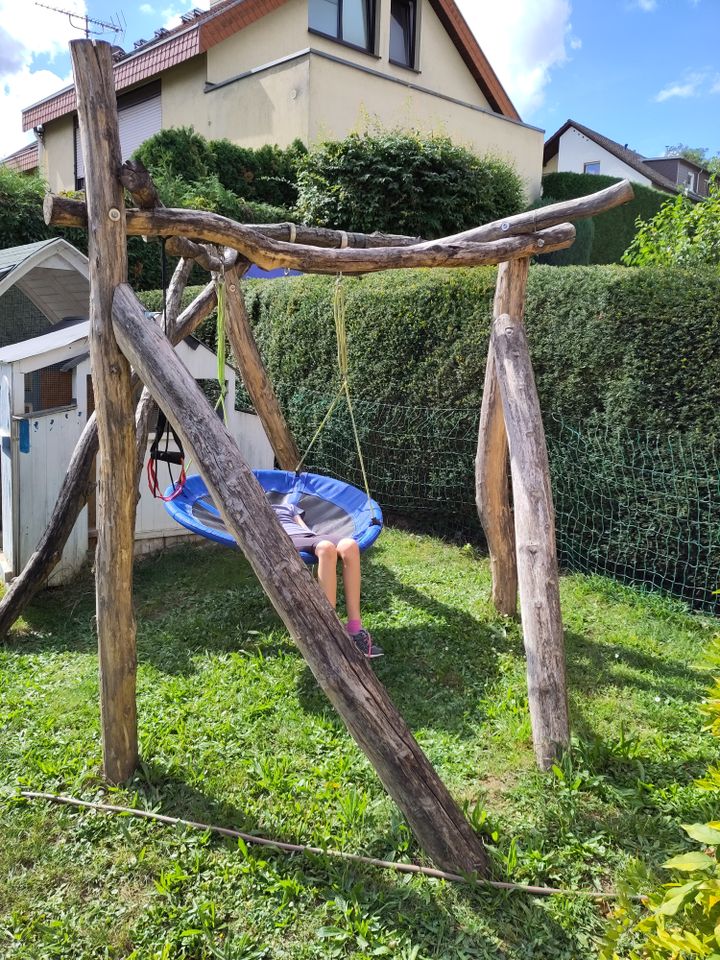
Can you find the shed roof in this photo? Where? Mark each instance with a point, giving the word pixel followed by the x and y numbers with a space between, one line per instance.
pixel 52 274
pixel 69 336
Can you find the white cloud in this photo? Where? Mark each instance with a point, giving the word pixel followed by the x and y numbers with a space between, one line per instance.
pixel 647 5
pixel 22 39
pixel 692 85
pixel 171 14
pixel 146 8
pixel 524 40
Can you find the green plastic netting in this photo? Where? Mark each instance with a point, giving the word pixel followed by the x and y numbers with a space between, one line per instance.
pixel 642 509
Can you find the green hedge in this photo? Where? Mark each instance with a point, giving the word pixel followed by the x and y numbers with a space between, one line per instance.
pixel 614 230
pixel 629 380
pixel 635 347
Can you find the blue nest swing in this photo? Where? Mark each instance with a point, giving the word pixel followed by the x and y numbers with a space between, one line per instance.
pixel 331 507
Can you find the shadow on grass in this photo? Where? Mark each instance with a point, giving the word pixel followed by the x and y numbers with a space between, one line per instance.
pixel 513 927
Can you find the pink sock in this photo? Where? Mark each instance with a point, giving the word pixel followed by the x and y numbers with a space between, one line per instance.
pixel 354 626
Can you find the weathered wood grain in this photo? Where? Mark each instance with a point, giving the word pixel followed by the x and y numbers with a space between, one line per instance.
pixel 62 211
pixel 535 542
pixel 339 668
pixel 114 408
pixel 255 376
pixel 566 211
pixel 272 254
pixel 492 481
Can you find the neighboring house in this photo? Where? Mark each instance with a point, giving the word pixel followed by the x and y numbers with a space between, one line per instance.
pixel 24 160
pixel 46 397
pixel 575 148
pixel 271 71
pixel 687 174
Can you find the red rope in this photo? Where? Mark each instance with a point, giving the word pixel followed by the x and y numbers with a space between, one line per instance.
pixel 153 482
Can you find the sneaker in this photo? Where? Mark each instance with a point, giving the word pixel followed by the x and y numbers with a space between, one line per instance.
pixel 364 642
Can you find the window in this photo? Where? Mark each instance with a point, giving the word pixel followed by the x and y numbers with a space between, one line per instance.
pixel 139 117
pixel 593 167
pixel 350 21
pixel 690 181
pixel 403 15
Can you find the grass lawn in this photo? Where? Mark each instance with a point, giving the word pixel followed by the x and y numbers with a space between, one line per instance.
pixel 235 731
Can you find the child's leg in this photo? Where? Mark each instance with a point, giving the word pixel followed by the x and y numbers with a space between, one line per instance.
pixel 327 554
pixel 349 553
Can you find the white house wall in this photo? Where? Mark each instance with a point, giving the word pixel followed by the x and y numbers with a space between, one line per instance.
pixel 575 150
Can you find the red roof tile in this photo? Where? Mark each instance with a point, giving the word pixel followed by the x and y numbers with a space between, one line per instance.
pixel 24 160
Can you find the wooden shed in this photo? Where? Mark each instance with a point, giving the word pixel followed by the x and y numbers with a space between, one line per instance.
pixel 46 397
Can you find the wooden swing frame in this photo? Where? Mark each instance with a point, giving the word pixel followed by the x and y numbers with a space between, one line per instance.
pixel 127 351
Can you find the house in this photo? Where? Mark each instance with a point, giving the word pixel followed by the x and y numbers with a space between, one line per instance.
pixel 46 397
pixel 690 176
pixel 270 71
pixel 24 160
pixel 576 148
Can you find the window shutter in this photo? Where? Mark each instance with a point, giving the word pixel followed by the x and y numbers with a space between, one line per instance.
pixel 137 123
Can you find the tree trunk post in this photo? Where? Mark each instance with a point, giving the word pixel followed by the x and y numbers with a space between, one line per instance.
pixel 492 482
pixel 114 407
pixel 340 669
pixel 537 564
pixel 255 376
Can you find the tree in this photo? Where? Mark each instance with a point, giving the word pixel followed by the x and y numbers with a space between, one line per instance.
pixel 683 233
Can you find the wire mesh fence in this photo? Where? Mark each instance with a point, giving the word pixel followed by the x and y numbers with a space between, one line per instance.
pixel 642 509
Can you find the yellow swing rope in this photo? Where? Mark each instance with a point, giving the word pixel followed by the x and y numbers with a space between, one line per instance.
pixel 339 313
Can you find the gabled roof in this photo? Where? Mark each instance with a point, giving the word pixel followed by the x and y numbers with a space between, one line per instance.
pixel 52 274
pixel 202 29
pixel 630 157
pixel 25 159
pixel 70 338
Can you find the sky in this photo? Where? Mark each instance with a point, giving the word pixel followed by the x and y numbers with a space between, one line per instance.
pixel 642 72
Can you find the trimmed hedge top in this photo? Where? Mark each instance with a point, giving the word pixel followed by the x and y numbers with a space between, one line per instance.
pixel 614 229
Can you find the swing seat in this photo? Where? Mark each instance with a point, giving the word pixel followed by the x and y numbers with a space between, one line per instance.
pixel 331 507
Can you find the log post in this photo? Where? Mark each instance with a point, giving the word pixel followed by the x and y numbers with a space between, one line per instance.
pixel 492 482
pixel 351 686
pixel 255 377
pixel 535 538
pixel 114 407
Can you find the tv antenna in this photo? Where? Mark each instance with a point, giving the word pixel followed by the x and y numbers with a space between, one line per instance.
pixel 116 25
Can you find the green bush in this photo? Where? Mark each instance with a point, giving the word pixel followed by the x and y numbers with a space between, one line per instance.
pixel 265 175
pixel 681 918
pixel 579 254
pixel 407 183
pixel 177 152
pixel 21 215
pixel 683 234
pixel 615 229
